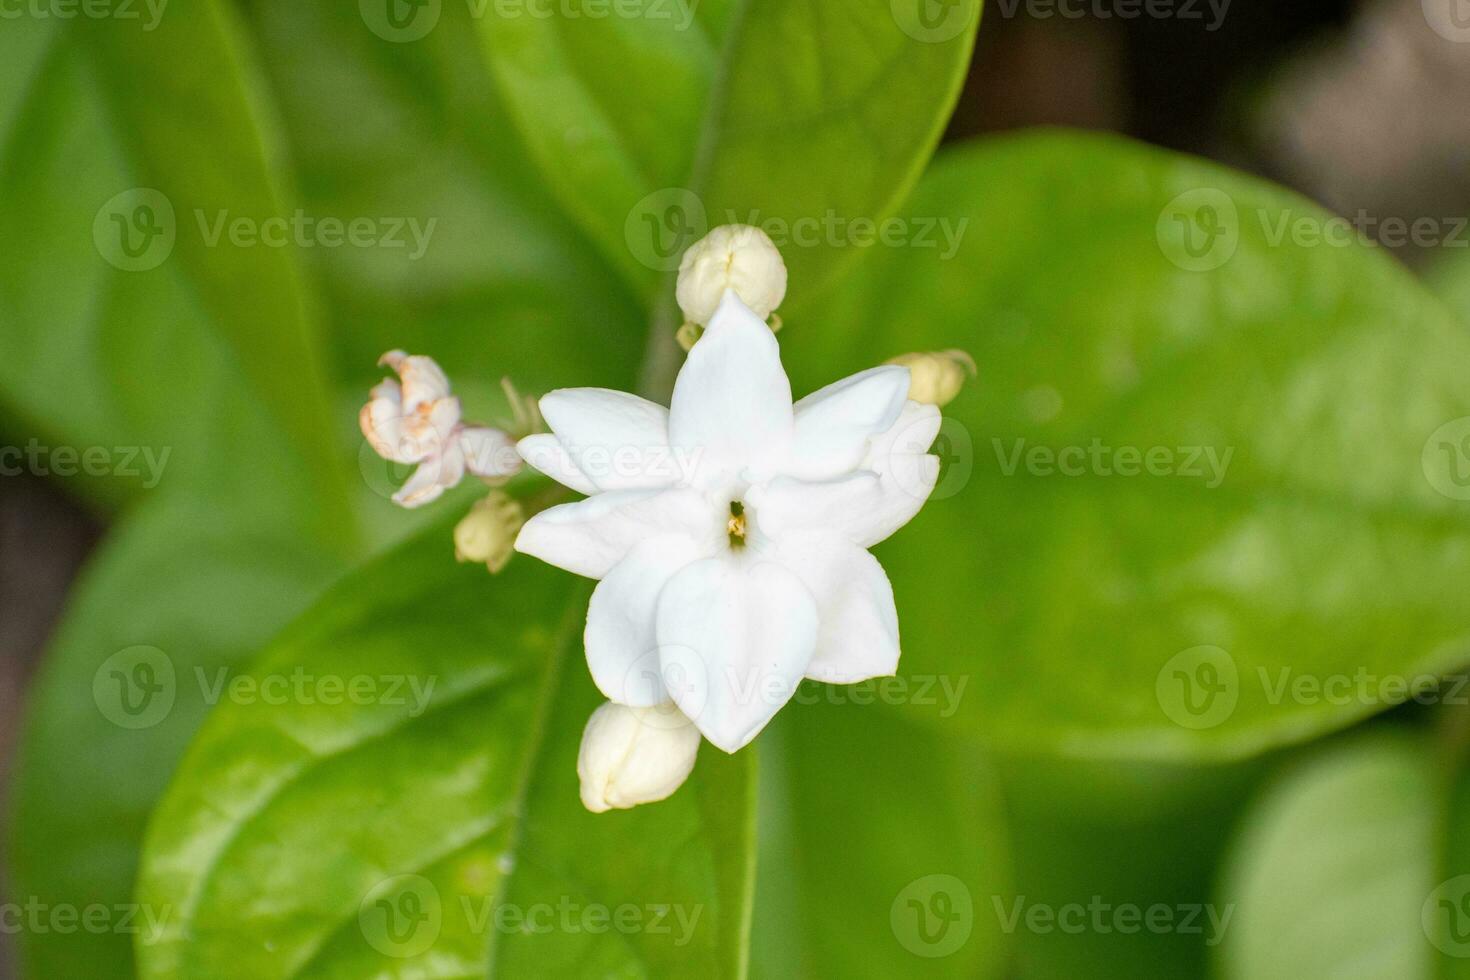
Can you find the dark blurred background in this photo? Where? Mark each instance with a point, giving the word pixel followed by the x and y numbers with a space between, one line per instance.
pixel 1362 106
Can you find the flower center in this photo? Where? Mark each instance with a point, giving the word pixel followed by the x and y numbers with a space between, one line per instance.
pixel 736 525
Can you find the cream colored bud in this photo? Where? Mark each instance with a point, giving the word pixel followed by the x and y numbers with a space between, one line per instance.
pixel 738 257
pixel 488 532
pixel 936 378
pixel 634 755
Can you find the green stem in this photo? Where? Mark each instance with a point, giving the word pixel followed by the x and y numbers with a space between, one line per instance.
pixel 661 355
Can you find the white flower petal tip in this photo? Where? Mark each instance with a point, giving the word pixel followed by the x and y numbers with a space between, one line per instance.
pixel 737 257
pixel 935 378
pixel 415 419
pixel 735 639
pixel 634 755
pixel 488 532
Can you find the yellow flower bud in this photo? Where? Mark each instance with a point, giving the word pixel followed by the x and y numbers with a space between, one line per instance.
pixel 488 532
pixel 935 378
pixel 738 257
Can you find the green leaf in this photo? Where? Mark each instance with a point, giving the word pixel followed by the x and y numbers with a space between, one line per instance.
pixel 1450 278
pixel 186 106
pixel 427 821
pixel 653 120
pixel 882 846
pixel 490 278
pixel 181 591
pixel 1101 847
pixel 1335 868
pixel 1201 610
pixel 98 357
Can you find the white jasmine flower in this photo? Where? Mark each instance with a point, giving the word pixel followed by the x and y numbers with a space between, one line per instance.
pixel 634 755
pixel 414 419
pixel 937 377
pixel 738 257
pixel 488 532
pixel 726 581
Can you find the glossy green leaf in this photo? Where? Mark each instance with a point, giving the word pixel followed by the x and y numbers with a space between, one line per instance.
pixel 97 357
pixel 1207 496
pixel 1334 874
pixel 654 119
pixel 184 102
pixel 472 261
pixel 181 593
pixel 883 850
pixel 436 815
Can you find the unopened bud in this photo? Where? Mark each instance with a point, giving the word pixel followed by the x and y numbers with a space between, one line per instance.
pixel 738 257
pixel 634 755
pixel 936 378
pixel 488 532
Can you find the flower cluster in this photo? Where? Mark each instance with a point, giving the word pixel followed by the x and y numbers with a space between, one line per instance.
pixel 729 531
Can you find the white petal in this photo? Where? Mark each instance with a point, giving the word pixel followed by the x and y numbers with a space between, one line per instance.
pixel 546 454
pixel 857 636
pixel 619 440
pixel 590 536
pixel 381 421
pixel 432 477
pixel 731 409
pixel 488 452
pixel 622 649
pixel 865 508
pixel 906 441
pixel 735 637
pixel 835 424
pixel 787 506
pixel 423 380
